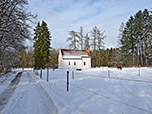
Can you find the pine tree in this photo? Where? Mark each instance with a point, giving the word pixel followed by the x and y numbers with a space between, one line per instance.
pixel 37 46
pixel 136 38
pixel 42 40
pixel 147 35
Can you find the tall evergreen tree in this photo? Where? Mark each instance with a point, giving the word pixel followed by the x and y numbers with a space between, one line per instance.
pixel 147 35
pixel 136 38
pixel 37 47
pixel 42 44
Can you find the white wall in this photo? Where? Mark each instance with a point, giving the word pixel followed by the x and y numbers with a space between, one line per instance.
pixel 64 63
pixel 87 63
pixel 59 60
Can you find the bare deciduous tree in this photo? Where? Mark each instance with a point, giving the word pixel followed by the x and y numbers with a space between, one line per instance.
pixel 87 39
pixel 74 39
pixel 81 37
pixel 97 38
pixel 14 27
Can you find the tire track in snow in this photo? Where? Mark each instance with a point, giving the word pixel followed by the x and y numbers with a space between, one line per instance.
pixel 49 102
pixel 67 109
pixel 64 106
pixel 4 97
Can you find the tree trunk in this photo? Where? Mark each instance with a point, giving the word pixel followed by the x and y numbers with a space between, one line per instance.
pixel 141 57
pixel 41 74
pixel 74 42
pixel 133 59
pixel 94 55
pixel 142 64
pixel 146 61
pixel 47 74
pixel 138 54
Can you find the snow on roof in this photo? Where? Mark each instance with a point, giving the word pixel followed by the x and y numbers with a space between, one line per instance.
pixel 74 53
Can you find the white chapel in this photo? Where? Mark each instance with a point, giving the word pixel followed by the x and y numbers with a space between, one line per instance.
pixel 74 59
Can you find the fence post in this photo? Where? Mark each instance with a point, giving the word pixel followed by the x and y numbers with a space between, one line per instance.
pixel 67 81
pixel 72 74
pixel 138 72
pixel 41 73
pixel 108 74
pixel 47 74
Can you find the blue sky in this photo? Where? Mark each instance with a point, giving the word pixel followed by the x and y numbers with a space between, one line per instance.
pixel 65 15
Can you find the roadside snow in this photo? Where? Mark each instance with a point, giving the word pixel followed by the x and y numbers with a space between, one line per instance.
pixel 91 92
pixel 5 79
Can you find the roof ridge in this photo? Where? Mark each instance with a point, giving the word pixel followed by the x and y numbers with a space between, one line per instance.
pixel 73 49
pixel 81 50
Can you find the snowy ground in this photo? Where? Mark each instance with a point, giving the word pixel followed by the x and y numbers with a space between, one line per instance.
pixel 91 92
pixel 6 79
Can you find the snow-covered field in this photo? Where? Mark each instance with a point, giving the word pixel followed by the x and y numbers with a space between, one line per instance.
pixel 91 92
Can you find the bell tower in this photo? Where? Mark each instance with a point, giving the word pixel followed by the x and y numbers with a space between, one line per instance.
pixel 87 48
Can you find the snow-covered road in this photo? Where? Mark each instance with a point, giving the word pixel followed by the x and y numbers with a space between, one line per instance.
pixel 29 98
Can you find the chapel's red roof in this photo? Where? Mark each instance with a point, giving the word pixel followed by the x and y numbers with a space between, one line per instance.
pixel 74 52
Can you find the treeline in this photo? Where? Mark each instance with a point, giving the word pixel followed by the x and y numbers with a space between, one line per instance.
pixel 15 23
pixel 135 39
pixel 26 60
pixel 105 57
